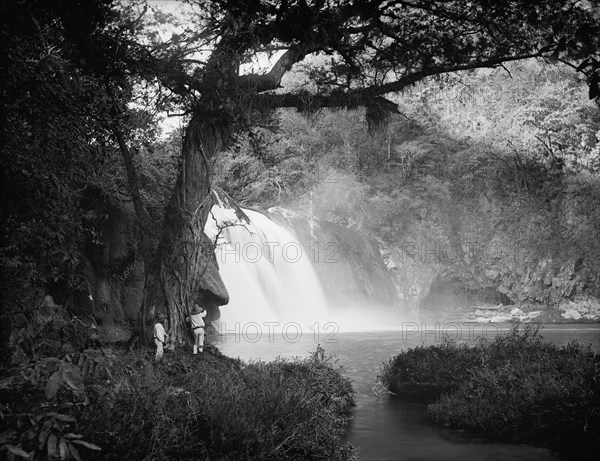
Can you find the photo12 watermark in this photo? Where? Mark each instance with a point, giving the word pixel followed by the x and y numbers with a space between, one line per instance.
pixel 414 332
pixel 290 252
pixel 328 332
pixel 289 332
pixel 467 252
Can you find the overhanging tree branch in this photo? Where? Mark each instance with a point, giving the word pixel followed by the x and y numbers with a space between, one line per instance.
pixel 272 79
pixel 306 102
pixel 371 96
pixel 414 77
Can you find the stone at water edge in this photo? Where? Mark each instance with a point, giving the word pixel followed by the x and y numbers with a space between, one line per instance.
pixel 516 312
pixel 571 314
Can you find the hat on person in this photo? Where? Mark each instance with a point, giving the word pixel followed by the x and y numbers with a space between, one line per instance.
pixel 196 309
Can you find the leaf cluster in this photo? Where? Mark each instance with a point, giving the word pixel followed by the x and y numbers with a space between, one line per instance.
pixel 70 373
pixel 40 437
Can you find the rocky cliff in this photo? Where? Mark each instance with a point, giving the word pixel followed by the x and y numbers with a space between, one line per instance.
pixel 500 287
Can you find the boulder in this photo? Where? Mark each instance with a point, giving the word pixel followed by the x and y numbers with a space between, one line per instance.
pixel 516 312
pixel 571 314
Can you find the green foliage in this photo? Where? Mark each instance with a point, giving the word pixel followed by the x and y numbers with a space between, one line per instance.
pixel 184 407
pixel 193 407
pixel 53 147
pixel 70 373
pixel 65 91
pixel 516 387
pixel 533 108
pixel 157 161
pixel 46 331
pixel 417 372
pixel 45 436
pixel 39 405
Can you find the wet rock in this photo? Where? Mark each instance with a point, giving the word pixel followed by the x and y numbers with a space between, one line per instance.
pixel 213 290
pixel 516 312
pixel 571 314
pixel 580 308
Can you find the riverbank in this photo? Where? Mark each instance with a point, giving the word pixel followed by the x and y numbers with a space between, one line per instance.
pixel 183 407
pixel 568 313
pixel 516 387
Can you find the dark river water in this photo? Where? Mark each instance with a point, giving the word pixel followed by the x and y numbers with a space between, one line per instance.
pixel 384 428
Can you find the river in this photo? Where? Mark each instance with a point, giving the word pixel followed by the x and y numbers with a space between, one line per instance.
pixel 385 428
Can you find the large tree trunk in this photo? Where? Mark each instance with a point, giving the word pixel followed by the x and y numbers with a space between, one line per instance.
pixel 184 270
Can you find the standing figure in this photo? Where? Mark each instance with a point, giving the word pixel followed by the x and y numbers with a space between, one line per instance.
pixel 160 335
pixel 196 319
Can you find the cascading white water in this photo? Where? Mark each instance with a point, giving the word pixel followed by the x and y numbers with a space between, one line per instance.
pixel 268 274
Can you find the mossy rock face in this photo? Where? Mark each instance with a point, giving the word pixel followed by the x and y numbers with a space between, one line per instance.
pixel 213 291
pixel 116 276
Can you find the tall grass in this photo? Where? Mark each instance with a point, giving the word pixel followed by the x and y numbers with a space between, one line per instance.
pixel 213 407
pixel 516 387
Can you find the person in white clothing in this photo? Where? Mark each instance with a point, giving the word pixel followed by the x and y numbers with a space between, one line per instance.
pixel 160 335
pixel 196 320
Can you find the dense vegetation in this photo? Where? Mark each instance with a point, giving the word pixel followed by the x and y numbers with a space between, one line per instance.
pixel 221 408
pixel 69 397
pixel 516 387
pixel 110 405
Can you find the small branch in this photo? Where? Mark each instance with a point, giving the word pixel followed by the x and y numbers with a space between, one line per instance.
pixel 194 61
pixel 182 114
pixel 409 79
pixel 348 99
pixel 507 71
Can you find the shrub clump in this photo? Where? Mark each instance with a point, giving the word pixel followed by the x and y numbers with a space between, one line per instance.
pixel 213 407
pixel 417 372
pixel 517 387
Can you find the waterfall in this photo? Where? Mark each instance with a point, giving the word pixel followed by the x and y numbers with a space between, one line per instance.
pixel 268 273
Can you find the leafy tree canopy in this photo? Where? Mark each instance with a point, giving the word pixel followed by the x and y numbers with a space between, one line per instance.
pixel 374 47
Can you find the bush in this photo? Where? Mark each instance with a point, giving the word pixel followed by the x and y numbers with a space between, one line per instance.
pixel 419 372
pixel 195 407
pixel 517 387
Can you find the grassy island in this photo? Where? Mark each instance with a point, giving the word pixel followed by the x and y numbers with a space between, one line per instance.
pixel 516 387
